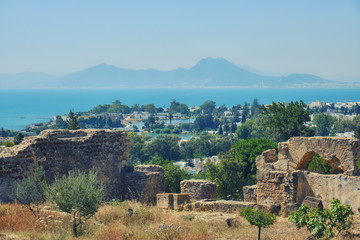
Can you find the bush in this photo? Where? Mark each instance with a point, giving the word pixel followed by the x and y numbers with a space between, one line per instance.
pixel 31 191
pixel 326 223
pixel 79 194
pixel 319 165
pixel 259 218
pixel 9 144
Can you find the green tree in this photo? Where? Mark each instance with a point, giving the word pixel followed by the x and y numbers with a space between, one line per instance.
pixel 259 218
pixel 19 138
pixel 173 176
pixel 73 122
pixel 255 108
pixel 324 123
pixel 31 191
pixel 165 146
pixel 357 132
pixel 79 194
pixel 286 120
pixel 208 107
pixel 3 133
pixel 60 123
pixel 324 223
pixel 237 167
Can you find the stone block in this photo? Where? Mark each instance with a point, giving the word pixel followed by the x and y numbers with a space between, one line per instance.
pixel 199 189
pixel 180 200
pixel 313 202
pixel 221 206
pixel 271 205
pixel 165 200
pixel 250 193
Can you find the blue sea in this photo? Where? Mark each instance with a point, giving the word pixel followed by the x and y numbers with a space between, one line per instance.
pixel 23 107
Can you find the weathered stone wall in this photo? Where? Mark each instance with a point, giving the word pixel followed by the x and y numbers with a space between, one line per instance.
pixel 199 189
pixel 345 188
pixel 250 193
pixel 144 183
pixel 285 178
pixel 278 185
pixel 59 151
pixel 341 153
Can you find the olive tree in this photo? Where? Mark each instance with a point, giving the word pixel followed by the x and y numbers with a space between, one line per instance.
pixel 79 193
pixel 30 191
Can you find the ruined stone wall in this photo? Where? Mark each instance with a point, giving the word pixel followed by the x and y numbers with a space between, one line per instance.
pixel 278 185
pixel 325 187
pixel 341 153
pixel 144 183
pixel 59 151
pixel 199 189
pixel 284 176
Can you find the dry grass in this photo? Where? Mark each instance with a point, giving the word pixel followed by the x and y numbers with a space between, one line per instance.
pixel 114 222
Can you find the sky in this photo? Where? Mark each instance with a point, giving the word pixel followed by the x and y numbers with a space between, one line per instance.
pixel 319 37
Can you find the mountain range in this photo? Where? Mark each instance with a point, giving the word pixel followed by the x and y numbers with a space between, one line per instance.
pixel 208 72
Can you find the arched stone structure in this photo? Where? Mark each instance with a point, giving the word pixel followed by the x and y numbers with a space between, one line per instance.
pixel 341 153
pixel 304 162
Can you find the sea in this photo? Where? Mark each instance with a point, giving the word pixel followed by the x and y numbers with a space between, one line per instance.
pixel 20 108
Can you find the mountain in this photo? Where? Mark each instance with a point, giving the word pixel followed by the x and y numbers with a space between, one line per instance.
pixel 208 72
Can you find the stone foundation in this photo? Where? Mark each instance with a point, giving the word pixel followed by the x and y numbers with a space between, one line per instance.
pixel 175 201
pixel 219 206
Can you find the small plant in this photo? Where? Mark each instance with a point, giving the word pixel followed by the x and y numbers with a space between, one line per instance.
pixel 31 191
pixel 165 231
pixel 259 218
pixel 79 194
pixel 9 144
pixel 325 223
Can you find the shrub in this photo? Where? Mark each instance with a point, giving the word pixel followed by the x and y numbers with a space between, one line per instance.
pixel 319 165
pixel 8 144
pixel 258 218
pixel 79 194
pixel 31 191
pixel 326 223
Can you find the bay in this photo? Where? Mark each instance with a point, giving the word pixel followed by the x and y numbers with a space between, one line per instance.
pixel 19 108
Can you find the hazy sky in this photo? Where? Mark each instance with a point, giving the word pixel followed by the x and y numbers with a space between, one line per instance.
pixel 320 37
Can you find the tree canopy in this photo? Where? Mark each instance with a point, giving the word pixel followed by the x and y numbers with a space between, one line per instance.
pixel 286 120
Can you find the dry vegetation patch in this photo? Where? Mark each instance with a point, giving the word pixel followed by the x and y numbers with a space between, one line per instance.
pixel 131 220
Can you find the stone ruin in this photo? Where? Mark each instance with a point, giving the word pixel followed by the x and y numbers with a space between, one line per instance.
pixel 283 181
pixel 59 151
pixel 283 177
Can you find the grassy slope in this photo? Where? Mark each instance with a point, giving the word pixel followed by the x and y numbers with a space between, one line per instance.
pixel 114 222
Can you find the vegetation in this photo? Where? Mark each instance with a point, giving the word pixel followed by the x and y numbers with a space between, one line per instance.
pixel 324 223
pixel 79 194
pixel 286 120
pixel 319 165
pixel 173 174
pixel 237 168
pixel 112 221
pixel 73 122
pixel 259 218
pixel 31 191
pixel 324 123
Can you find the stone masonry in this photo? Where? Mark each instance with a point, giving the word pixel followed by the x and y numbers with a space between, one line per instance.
pixel 59 151
pixel 283 177
pixel 199 189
